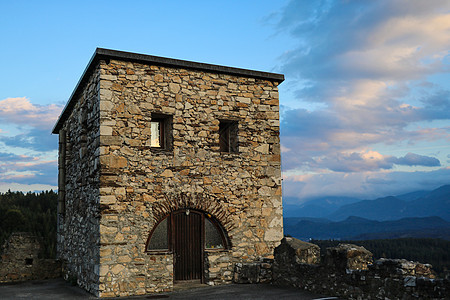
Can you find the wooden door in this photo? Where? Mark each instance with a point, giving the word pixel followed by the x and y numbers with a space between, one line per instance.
pixel 188 245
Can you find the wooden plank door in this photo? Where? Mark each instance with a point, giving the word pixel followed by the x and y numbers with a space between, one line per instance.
pixel 187 241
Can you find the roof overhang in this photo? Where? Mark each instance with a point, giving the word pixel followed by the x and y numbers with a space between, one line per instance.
pixel 108 54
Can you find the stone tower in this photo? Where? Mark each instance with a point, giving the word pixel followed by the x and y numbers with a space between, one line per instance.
pixel 169 170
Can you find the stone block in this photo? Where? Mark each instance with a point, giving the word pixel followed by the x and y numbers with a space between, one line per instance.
pixel 348 256
pixel 113 161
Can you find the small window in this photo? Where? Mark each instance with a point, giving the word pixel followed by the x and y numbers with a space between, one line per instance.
pixel 161 132
pixel 159 238
pixel 228 136
pixel 213 238
pixel 157 133
pixel 28 261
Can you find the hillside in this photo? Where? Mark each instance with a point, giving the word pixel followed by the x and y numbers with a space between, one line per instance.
pixel 317 207
pixel 409 205
pixel 417 204
pixel 381 209
pixel 360 228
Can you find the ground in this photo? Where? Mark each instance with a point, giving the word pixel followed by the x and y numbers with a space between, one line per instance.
pixel 59 289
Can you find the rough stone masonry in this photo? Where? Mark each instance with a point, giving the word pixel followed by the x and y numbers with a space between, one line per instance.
pixel 21 259
pixel 147 143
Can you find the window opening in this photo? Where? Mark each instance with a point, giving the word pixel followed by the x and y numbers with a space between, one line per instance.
pixel 213 238
pixel 159 238
pixel 28 261
pixel 157 133
pixel 161 131
pixel 228 136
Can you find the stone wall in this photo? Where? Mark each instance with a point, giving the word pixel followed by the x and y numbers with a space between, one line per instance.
pixel 348 271
pixel 20 260
pixel 136 178
pixel 218 267
pixel 254 272
pixel 79 177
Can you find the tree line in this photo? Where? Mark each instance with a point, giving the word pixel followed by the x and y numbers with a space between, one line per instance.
pixel 424 250
pixel 36 213
pixel 30 212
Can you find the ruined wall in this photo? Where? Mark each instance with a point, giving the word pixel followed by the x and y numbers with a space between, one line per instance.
pixel 20 260
pixel 348 271
pixel 78 211
pixel 136 178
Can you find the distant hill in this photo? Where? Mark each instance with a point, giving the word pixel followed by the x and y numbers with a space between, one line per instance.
pixel 412 196
pixel 414 204
pixel 381 209
pixel 417 204
pixel 360 228
pixel 435 203
pixel 317 207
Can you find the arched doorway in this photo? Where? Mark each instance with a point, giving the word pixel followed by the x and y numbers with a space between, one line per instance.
pixel 187 233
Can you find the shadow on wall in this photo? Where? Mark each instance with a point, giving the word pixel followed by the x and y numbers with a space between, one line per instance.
pixel 20 260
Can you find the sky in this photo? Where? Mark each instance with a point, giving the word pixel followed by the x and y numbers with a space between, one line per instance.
pixel 365 107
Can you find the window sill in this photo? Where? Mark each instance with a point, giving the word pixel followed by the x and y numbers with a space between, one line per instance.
pixel 232 153
pixel 161 150
pixel 158 252
pixel 212 250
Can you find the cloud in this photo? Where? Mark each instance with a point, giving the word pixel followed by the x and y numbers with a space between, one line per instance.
pixel 29 125
pixel 412 159
pixel 27 169
pixel 368 66
pixel 383 40
pixel 21 111
pixel 11 158
pixel 34 139
pixel 364 161
pixel 364 185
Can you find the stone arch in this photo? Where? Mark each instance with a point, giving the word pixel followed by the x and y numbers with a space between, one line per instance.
pixel 203 202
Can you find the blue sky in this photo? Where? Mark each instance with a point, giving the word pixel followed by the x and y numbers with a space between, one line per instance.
pixel 365 105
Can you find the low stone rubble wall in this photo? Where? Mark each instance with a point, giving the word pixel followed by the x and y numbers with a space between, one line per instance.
pixel 256 272
pixel 20 260
pixel 348 271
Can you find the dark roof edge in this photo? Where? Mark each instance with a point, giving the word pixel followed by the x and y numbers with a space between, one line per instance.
pixel 101 53
pixel 171 62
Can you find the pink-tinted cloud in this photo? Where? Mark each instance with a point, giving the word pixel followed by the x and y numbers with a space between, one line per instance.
pixel 21 111
pixel 365 161
pixel 27 169
pixel 365 185
pixel 34 123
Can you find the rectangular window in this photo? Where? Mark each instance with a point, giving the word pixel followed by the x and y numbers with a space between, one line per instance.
pixel 157 133
pixel 228 136
pixel 161 131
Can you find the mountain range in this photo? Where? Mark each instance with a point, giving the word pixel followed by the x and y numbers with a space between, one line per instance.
pixel 415 204
pixel 416 214
pixel 355 228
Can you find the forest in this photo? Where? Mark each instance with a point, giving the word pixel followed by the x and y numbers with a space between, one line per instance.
pixel 30 212
pixel 424 250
